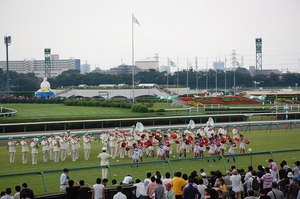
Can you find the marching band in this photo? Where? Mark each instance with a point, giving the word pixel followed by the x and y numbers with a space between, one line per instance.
pixel 135 143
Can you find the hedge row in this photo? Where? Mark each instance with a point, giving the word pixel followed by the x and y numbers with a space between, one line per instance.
pixel 31 101
pixel 139 108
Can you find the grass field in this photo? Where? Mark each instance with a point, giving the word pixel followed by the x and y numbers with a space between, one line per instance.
pixel 60 110
pixel 260 141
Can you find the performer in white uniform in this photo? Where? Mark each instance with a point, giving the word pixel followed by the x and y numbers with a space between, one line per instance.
pixel 45 149
pixel 24 143
pixel 104 156
pixel 12 150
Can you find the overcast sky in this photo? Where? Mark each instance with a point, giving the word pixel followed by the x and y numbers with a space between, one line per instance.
pixel 99 31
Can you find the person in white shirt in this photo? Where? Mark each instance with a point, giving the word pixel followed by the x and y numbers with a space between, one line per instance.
pixel 64 178
pixel 24 143
pixel 119 195
pixel 113 145
pixel 12 150
pixel 56 149
pixel 50 139
pixel 86 145
pixel 235 132
pixel 236 180
pixel 63 147
pixel 45 148
pixel 74 147
pixel 201 187
pixel 34 150
pixel 104 156
pixel 98 190
pixel 147 180
pixel 127 179
pixel 140 190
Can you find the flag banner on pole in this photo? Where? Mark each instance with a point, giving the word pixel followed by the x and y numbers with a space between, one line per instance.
pixel 171 63
pixel 134 20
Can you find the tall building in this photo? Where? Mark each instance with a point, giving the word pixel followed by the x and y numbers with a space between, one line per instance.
pixel 219 65
pixel 38 66
pixel 124 69
pixel 165 68
pixel 85 68
pixel 147 64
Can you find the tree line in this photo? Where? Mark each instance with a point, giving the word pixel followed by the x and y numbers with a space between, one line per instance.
pixel 191 78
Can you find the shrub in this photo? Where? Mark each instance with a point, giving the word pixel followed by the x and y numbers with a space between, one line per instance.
pixel 143 109
pixel 83 103
pixel 133 107
pixel 128 105
pixel 68 102
pixel 137 107
pixel 77 102
pixel 123 104
pixel 91 103
pixel 150 110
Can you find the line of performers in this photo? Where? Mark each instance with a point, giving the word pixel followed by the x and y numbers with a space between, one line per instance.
pixel 134 144
pixel 158 144
pixel 55 147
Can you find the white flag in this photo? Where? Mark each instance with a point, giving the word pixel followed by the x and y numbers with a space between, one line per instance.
pixel 171 63
pixel 134 20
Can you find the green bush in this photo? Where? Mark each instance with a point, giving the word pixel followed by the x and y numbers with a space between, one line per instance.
pixel 143 109
pixel 76 102
pixel 90 103
pixel 68 102
pixel 137 107
pixel 128 105
pixel 150 111
pixel 123 104
pixel 115 104
pixel 133 107
pixel 3 100
pixel 83 103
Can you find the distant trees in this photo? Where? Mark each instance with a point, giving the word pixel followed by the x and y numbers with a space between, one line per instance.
pixel 29 82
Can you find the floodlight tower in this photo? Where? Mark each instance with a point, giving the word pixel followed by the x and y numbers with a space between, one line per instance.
pixel 258 44
pixel 47 53
pixel 7 41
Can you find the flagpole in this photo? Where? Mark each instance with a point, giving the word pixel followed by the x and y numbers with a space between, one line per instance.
pixel 132 56
pixel 177 74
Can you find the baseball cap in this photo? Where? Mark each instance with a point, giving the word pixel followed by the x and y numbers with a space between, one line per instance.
pixel 168 185
pixel 290 174
pixel 103 149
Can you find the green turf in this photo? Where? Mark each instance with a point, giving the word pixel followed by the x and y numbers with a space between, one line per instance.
pixel 260 141
pixel 60 110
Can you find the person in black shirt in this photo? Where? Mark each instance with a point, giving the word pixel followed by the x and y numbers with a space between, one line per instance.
pixel 212 179
pixel 82 192
pixel 29 192
pixel 71 190
pixel 190 192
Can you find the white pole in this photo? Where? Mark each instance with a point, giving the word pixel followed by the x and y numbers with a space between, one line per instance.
pixel 187 74
pixel 177 75
pixel 225 74
pixel 132 56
